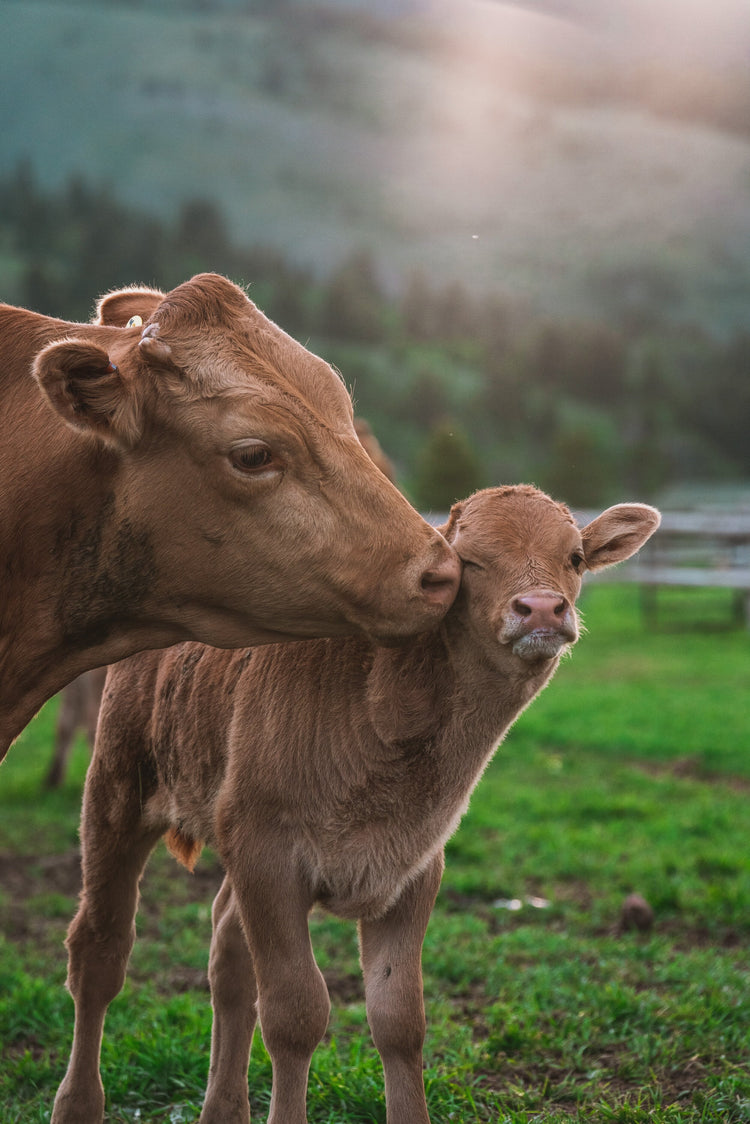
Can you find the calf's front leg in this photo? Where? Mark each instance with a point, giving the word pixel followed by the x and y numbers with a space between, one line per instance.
pixel 391 954
pixel 293 1003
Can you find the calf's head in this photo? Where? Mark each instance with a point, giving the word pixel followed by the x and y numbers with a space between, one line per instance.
pixel 524 558
pixel 232 451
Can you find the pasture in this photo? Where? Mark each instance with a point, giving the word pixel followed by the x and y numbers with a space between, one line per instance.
pixel 631 773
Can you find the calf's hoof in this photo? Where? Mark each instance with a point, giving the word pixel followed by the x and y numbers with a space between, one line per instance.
pixel 76 1107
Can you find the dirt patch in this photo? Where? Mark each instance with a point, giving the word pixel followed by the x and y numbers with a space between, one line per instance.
pixel 26 876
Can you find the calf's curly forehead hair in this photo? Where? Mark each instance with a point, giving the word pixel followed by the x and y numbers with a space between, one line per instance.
pixel 501 503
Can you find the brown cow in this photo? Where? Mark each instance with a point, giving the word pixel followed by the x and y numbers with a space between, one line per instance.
pixel 79 700
pixel 197 476
pixel 331 772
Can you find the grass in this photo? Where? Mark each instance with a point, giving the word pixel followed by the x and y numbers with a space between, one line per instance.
pixel 628 774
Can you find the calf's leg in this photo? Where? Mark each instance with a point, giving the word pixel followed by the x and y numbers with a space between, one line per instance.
pixel 234 998
pixel 115 848
pixel 293 1003
pixel 391 953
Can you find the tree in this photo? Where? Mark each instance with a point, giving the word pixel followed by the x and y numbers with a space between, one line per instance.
pixel 353 302
pixel 448 469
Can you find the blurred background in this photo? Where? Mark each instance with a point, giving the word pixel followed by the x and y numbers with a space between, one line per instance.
pixel 520 230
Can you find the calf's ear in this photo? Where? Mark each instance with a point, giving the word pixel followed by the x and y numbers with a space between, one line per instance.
pixel 123 305
pixel 88 391
pixel 618 533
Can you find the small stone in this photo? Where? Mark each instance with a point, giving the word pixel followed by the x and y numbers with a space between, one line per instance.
pixel 636 913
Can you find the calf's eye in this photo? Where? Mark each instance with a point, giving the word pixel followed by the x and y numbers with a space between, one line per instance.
pixel 251 457
pixel 576 561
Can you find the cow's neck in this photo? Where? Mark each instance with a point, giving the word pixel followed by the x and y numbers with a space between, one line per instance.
pixel 79 579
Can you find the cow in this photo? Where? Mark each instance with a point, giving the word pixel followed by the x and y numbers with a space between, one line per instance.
pixel 79 700
pixel 328 772
pixel 188 472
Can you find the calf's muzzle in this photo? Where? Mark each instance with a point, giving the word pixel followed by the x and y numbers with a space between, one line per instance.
pixel 538 624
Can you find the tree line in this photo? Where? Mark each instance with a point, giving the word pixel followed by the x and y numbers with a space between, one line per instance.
pixel 462 389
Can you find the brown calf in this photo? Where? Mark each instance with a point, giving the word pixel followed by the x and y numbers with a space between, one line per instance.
pixel 195 476
pixel 329 772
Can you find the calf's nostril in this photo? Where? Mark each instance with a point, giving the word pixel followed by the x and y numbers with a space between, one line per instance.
pixel 543 608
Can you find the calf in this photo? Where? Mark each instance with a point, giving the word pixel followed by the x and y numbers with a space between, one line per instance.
pixel 329 772
pixel 188 472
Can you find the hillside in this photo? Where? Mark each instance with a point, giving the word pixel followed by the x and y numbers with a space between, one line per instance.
pixel 513 151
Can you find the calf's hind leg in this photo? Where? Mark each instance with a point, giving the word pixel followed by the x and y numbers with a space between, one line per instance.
pixel 234 998
pixel 115 848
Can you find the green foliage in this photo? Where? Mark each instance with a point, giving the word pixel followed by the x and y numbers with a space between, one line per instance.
pixel 587 410
pixel 448 469
pixel 628 774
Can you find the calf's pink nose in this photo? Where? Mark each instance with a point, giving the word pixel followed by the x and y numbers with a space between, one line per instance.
pixel 541 610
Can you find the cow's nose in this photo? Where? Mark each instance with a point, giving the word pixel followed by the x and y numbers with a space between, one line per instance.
pixel 439 584
pixel 542 609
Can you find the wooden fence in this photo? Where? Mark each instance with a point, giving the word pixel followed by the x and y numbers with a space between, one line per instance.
pixel 692 549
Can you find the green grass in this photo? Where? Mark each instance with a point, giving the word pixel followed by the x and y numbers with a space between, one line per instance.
pixel 630 773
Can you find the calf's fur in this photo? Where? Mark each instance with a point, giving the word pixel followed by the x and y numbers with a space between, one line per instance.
pixel 330 771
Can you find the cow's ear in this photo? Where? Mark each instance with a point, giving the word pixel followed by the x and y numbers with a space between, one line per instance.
pixel 122 306
pixel 618 533
pixel 449 530
pixel 88 391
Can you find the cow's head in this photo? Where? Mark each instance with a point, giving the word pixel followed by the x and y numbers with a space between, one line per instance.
pixel 234 451
pixel 524 558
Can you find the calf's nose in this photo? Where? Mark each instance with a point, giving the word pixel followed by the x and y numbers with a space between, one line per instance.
pixel 439 584
pixel 541 609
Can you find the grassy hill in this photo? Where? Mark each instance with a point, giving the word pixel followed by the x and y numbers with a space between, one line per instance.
pixel 511 151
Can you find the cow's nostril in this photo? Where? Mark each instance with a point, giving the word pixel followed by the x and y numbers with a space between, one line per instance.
pixel 440 584
pixel 522 608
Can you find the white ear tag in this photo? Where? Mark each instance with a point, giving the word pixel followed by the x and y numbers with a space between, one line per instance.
pixel 134 322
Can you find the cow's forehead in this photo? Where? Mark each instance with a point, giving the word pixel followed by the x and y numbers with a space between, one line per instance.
pixel 224 347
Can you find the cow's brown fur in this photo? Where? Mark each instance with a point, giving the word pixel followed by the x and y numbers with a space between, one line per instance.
pixel 130 519
pixel 80 700
pixel 331 771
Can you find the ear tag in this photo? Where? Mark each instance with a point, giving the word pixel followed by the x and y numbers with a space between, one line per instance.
pixel 134 322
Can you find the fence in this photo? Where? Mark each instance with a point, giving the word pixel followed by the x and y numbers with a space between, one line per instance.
pixel 692 549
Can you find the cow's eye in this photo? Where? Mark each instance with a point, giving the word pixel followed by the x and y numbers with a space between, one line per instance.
pixel 251 457
pixel 576 560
